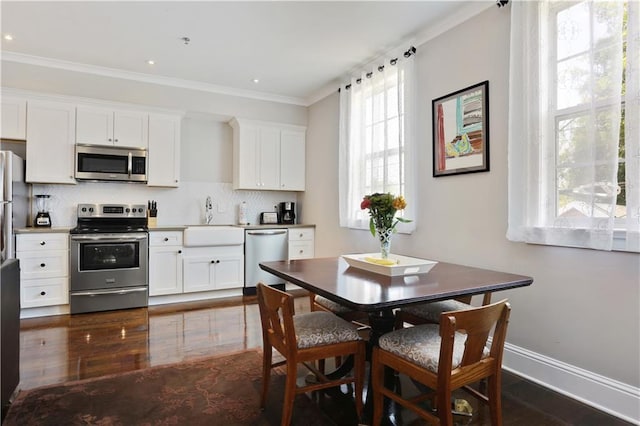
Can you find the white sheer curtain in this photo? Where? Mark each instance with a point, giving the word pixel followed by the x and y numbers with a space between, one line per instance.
pixel 564 124
pixel 377 146
pixel 632 127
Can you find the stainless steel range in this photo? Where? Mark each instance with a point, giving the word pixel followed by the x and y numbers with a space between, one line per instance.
pixel 109 258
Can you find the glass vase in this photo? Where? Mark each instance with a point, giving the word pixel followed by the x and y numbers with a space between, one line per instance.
pixel 384 235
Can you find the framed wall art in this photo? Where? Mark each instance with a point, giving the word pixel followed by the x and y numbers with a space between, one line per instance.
pixel 461 131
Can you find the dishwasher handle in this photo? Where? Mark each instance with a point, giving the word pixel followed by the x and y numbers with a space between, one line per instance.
pixel 266 232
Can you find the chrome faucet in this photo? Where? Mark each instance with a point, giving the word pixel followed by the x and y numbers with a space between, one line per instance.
pixel 208 211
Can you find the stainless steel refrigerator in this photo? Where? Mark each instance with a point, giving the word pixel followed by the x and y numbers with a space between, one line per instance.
pixel 13 202
pixel 13 214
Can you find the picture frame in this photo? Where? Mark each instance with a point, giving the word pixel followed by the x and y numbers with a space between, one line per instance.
pixel 461 131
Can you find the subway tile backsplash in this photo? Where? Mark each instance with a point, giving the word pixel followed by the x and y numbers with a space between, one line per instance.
pixel 176 206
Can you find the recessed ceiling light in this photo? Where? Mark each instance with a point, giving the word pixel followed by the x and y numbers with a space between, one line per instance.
pixel 256 81
pixel 8 37
pixel 151 62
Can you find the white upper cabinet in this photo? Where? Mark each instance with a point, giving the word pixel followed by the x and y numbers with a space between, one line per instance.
pixel 14 118
pixel 292 159
pixel 50 142
pixel 268 156
pixel 105 126
pixel 164 150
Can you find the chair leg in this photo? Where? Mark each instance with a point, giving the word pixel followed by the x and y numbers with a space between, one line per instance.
pixel 377 379
pixel 495 399
pixel 444 407
pixel 359 372
pixel 266 374
pixel 289 392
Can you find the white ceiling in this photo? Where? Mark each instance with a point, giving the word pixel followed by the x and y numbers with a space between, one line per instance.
pixel 297 50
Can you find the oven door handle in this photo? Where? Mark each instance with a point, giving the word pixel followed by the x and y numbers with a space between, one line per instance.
pixel 130 164
pixel 103 292
pixel 110 237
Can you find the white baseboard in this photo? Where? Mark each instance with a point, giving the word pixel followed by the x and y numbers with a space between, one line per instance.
pixel 605 394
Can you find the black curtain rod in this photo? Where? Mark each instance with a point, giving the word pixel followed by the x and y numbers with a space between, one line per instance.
pixel 406 54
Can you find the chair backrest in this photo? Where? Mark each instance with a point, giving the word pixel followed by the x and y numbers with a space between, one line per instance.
pixel 477 324
pixel 276 313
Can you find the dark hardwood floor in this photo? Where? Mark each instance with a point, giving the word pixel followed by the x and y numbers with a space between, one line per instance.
pixel 63 348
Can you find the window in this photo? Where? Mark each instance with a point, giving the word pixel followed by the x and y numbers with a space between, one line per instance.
pixel 574 95
pixel 375 140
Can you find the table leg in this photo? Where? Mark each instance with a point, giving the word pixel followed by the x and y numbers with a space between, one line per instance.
pixel 381 323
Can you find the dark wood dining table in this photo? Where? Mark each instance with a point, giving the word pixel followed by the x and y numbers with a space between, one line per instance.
pixel 379 294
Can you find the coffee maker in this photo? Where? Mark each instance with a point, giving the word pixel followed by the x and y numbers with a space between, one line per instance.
pixel 287 212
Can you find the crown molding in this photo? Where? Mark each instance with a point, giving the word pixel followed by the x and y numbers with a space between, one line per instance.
pixel 21 58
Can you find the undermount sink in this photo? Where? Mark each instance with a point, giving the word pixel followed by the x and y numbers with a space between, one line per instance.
pixel 212 235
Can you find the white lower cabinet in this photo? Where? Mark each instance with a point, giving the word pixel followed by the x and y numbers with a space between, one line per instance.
pixel 174 269
pixel 44 269
pixel 301 243
pixel 213 268
pixel 165 263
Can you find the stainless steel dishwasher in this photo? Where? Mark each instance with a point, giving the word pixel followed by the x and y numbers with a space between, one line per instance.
pixel 263 245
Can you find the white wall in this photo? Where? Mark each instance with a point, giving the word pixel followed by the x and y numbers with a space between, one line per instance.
pixel 583 308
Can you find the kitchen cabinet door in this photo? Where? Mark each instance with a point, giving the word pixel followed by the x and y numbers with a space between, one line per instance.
pixel 229 272
pixel 164 150
pixel 50 142
pixel 94 126
pixel 269 158
pixel 108 127
pixel 130 129
pixel 14 118
pixel 292 160
pixel 165 270
pixel 198 273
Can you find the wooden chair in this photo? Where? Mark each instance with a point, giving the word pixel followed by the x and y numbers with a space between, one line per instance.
pixel 303 339
pixel 429 313
pixel 445 357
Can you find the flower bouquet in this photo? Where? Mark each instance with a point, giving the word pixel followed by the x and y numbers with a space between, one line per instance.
pixel 383 220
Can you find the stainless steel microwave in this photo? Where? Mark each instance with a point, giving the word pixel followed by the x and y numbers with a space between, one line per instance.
pixel 111 163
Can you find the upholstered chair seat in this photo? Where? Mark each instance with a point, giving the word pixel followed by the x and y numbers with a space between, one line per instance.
pixel 431 311
pixel 421 345
pixel 330 305
pixel 322 328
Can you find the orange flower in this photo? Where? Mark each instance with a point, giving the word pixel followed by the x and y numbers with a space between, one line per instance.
pixel 399 203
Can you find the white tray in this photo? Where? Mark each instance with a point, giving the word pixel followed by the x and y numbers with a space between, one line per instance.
pixel 405 265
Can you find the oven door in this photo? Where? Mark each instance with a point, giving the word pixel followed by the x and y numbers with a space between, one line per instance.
pixel 108 261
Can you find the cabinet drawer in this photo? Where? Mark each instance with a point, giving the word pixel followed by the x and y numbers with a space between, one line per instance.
pixel 47 264
pixel 46 292
pixel 42 242
pixel 301 250
pixel 159 239
pixel 301 234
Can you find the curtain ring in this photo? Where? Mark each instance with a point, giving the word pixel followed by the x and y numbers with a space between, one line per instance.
pixel 359 81
pixel 393 61
pixel 381 68
pixel 411 51
pixel 369 74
